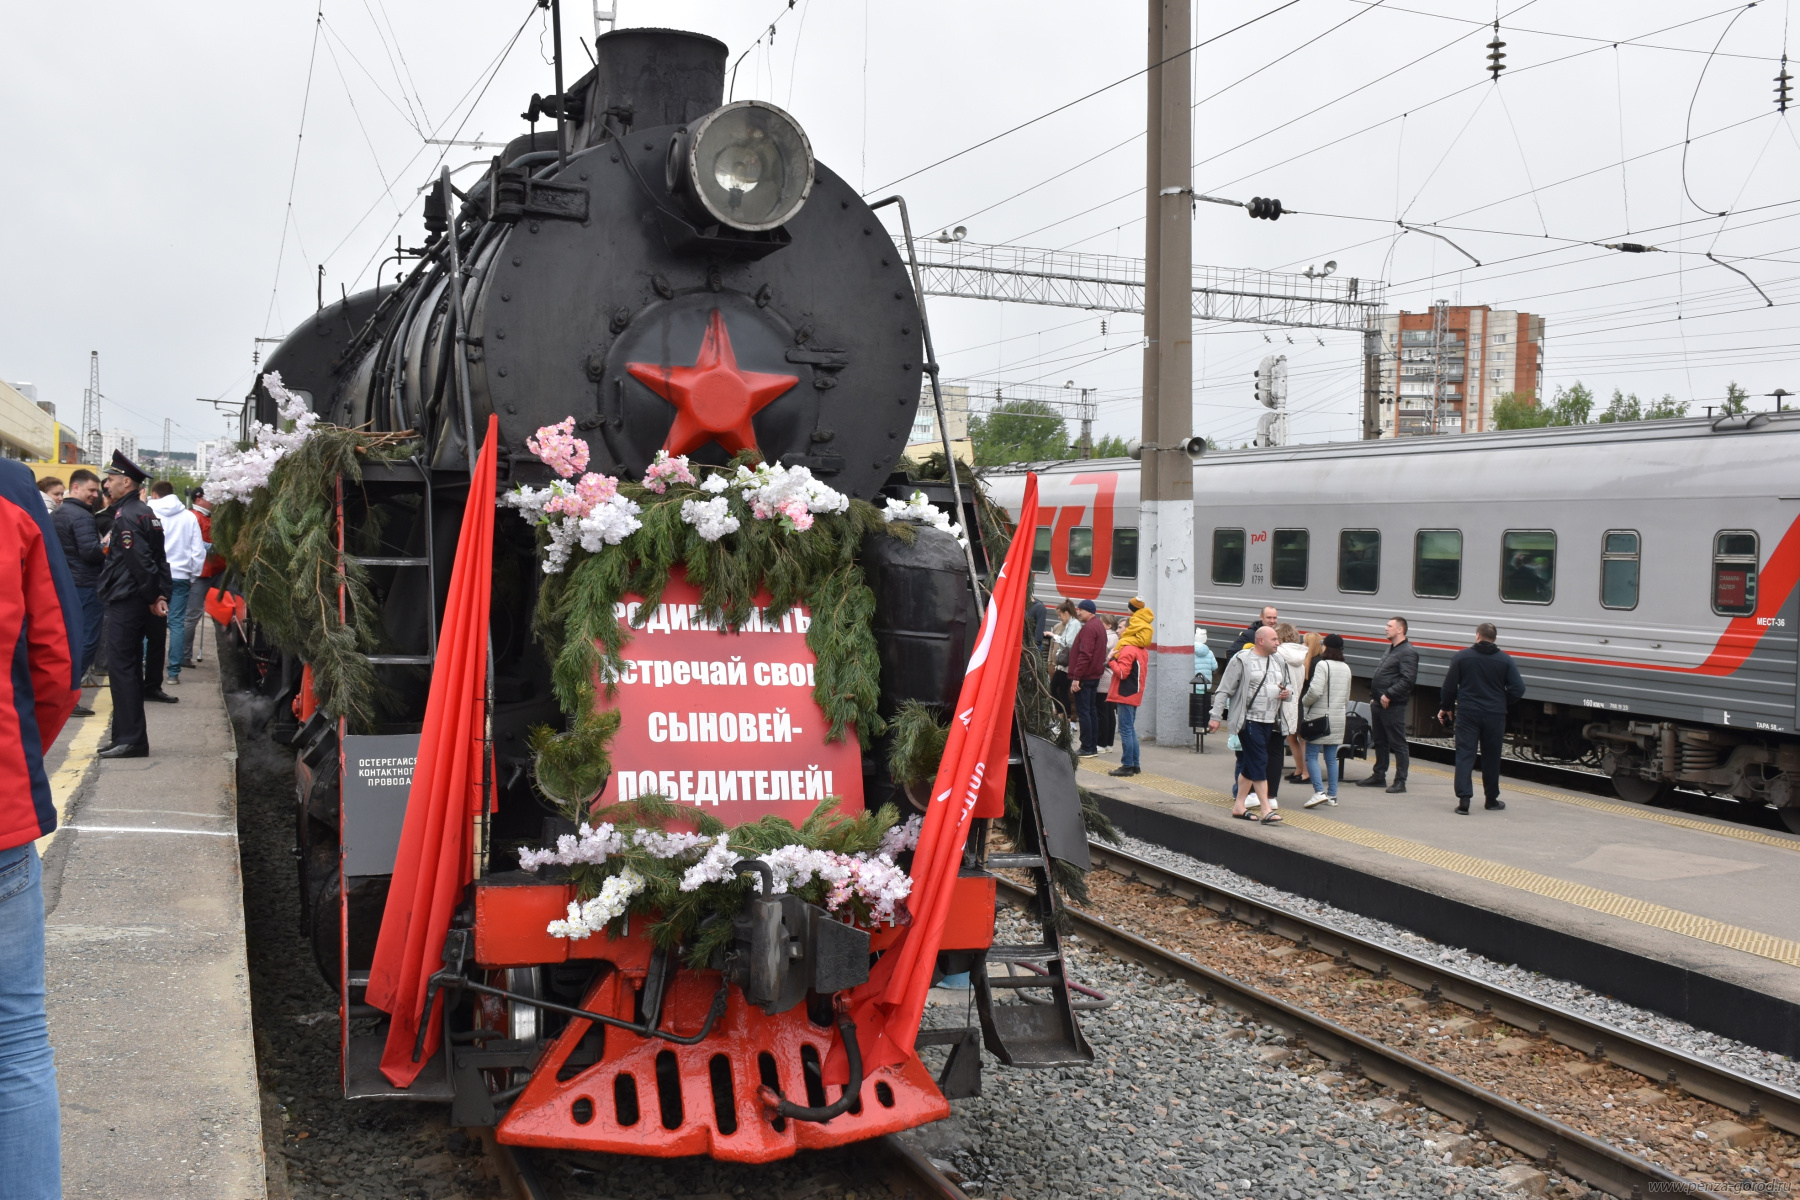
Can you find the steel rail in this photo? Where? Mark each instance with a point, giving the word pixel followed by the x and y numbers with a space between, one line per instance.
pixel 1559 1147
pixel 937 1185
pixel 517 1169
pixel 1704 1080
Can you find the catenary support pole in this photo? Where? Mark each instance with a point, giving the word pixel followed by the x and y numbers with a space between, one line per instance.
pixel 1167 496
pixel 1147 507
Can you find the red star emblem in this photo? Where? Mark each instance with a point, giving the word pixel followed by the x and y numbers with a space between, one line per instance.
pixel 714 400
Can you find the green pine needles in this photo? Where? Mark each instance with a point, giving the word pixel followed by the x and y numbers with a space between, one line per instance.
pixel 577 614
pixel 283 546
pixel 650 874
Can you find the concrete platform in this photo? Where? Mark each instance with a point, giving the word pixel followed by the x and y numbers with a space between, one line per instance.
pixel 1690 916
pixel 148 989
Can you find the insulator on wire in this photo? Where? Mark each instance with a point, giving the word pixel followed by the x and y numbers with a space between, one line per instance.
pixel 1496 54
pixel 1263 208
pixel 1783 83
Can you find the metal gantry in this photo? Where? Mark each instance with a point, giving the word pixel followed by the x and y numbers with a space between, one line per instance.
pixel 90 411
pixel 1115 283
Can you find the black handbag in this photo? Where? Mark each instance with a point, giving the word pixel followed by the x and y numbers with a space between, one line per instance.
pixel 1314 728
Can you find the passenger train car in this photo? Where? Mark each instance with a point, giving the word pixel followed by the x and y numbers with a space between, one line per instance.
pixel 1643 575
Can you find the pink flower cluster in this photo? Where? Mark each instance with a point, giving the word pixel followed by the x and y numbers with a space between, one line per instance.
pixel 792 511
pixel 665 470
pixel 590 490
pixel 558 446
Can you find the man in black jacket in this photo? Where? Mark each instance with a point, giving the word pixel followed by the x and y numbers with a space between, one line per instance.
pixel 135 583
pixel 1269 619
pixel 74 522
pixel 1482 682
pixel 1390 689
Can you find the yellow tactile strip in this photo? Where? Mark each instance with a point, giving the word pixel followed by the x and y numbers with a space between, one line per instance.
pixel 1733 937
pixel 1637 812
pixel 76 761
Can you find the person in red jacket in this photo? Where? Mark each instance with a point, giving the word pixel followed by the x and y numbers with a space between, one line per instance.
pixel 207 579
pixel 1130 665
pixel 1087 662
pixel 41 624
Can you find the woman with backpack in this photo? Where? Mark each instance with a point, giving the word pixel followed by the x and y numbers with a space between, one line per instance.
pixel 1323 707
pixel 1129 662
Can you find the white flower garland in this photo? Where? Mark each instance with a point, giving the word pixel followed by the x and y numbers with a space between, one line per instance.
pixel 235 473
pixel 594 915
pixel 918 508
pixel 876 880
pixel 589 512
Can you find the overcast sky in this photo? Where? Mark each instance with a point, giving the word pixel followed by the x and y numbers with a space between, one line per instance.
pixel 150 158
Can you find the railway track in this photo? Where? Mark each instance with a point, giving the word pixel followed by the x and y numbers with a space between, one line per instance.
pixel 1557 1145
pixel 904 1171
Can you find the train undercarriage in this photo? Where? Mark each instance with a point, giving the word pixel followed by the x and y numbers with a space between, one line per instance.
pixel 1647 759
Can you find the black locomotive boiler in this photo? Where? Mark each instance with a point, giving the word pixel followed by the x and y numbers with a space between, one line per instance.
pixel 678 275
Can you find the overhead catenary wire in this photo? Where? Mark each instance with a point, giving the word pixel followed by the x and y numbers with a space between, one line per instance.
pixel 1412 109
pixel 1043 116
pixel 1688 130
pixel 287 218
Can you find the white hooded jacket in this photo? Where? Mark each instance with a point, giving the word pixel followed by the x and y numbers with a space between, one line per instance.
pixel 182 543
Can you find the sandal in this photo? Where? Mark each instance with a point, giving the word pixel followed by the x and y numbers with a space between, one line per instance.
pixel 1245 816
pixel 1273 818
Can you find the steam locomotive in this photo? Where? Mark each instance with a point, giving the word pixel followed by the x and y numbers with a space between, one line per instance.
pixel 659 233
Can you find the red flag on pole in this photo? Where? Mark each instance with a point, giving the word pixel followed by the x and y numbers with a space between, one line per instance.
pixel 435 860
pixel 887 1009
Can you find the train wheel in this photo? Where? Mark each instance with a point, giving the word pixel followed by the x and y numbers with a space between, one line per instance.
pixel 1638 790
pixel 1790 816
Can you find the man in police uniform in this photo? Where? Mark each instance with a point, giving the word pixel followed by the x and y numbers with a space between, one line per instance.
pixel 135 584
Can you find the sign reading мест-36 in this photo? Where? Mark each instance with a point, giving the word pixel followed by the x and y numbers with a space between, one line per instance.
pixel 724 719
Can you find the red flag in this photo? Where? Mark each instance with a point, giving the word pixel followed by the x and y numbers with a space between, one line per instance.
pixel 887 1009
pixel 434 861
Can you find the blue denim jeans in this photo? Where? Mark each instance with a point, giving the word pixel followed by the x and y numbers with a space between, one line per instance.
pixel 1128 734
pixel 1314 750
pixel 178 604
pixel 93 611
pixel 30 1122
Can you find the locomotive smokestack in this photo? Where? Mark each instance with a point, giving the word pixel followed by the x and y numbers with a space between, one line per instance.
pixel 651 77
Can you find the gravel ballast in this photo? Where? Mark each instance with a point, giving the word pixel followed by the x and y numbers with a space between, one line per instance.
pixel 1760 1064
pixel 1184 1099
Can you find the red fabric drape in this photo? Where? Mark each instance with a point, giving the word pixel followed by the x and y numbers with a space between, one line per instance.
pixel 887 1009
pixel 433 864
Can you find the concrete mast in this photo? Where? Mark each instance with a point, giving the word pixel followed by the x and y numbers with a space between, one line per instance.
pixel 1166 500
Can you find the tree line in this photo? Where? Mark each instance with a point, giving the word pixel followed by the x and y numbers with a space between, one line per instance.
pixel 1575 406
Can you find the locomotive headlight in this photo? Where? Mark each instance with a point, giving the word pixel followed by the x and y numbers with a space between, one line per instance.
pixel 748 164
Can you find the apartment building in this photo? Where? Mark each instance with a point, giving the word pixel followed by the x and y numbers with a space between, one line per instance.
pixel 1444 370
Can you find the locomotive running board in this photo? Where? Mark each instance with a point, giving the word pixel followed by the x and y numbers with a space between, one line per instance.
pixel 1035 1034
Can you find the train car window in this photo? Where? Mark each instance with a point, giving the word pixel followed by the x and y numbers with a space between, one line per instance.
pixel 1734 573
pixel 1619 569
pixel 1081 551
pixel 1040 551
pixel 1124 564
pixel 1359 560
pixel 1528 566
pixel 1228 557
pixel 1437 563
pixel 1287 558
